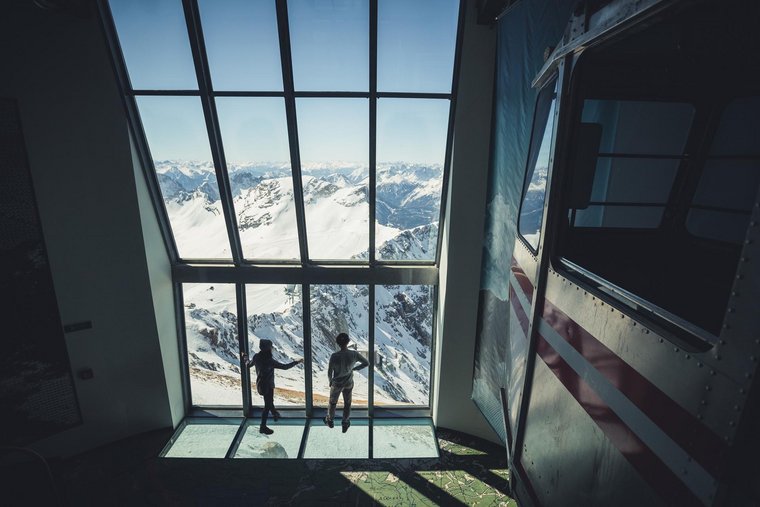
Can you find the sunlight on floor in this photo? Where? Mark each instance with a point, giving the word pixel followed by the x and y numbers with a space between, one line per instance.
pixel 458 449
pixel 462 485
pixel 386 488
pixel 434 487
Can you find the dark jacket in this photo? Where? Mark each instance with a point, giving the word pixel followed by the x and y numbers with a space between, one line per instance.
pixel 265 365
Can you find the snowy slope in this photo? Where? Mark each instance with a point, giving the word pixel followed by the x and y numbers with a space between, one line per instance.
pixel 336 201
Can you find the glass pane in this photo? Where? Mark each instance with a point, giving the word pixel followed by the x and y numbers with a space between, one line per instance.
pixel 176 133
pixel 415 45
pixel 242 44
pixel 324 442
pixel 154 42
pixel 532 210
pixel 333 136
pixel 255 138
pixel 729 184
pixel 213 355
pixel 403 438
pixel 275 312
pixel 411 150
pixel 403 344
pixel 633 180
pixel 329 41
pixel 634 217
pixel 338 309
pixel 204 438
pixel 718 225
pixel 636 127
pixel 739 129
pixel 284 443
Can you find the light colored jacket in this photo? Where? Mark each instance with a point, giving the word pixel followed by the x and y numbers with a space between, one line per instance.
pixel 340 372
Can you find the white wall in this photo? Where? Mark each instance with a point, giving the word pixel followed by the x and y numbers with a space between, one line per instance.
pixel 463 235
pixel 79 154
pixel 162 290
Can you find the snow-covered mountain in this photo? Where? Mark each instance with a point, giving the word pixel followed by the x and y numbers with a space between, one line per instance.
pixel 408 195
pixel 337 213
pixel 336 204
pixel 403 337
pixel 532 210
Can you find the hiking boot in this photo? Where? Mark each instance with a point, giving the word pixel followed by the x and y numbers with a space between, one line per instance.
pixel 276 416
pixel 329 422
pixel 345 425
pixel 265 430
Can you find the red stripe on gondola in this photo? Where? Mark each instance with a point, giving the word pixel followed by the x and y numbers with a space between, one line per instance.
pixel 522 317
pixel 523 280
pixel 649 466
pixel 680 425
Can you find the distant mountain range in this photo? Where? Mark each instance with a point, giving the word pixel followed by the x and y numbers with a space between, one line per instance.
pixel 336 201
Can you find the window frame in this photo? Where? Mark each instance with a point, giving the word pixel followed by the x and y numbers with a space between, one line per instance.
pixel 304 271
pixel 680 331
pixel 577 118
pixel 551 81
pixel 755 157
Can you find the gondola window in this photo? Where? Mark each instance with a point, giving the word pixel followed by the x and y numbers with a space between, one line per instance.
pixel 534 191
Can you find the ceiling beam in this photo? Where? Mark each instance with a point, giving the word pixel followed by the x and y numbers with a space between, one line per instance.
pixel 489 10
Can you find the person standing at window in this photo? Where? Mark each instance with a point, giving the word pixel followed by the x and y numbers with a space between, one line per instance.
pixel 340 374
pixel 265 365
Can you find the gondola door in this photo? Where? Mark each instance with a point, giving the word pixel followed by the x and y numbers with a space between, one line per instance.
pixel 526 258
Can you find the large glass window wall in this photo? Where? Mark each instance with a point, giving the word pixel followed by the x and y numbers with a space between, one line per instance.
pixel 297 156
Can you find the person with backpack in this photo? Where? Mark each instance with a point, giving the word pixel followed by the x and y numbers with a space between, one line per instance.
pixel 265 365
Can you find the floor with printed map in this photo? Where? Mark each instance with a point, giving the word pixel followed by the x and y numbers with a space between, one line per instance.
pixel 469 471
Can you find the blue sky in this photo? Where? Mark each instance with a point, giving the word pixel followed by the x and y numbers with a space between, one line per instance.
pixel 330 52
pixel 333 130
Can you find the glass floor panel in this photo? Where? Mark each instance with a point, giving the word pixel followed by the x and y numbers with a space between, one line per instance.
pixel 220 437
pixel 325 442
pixel 203 438
pixel 284 443
pixel 407 438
